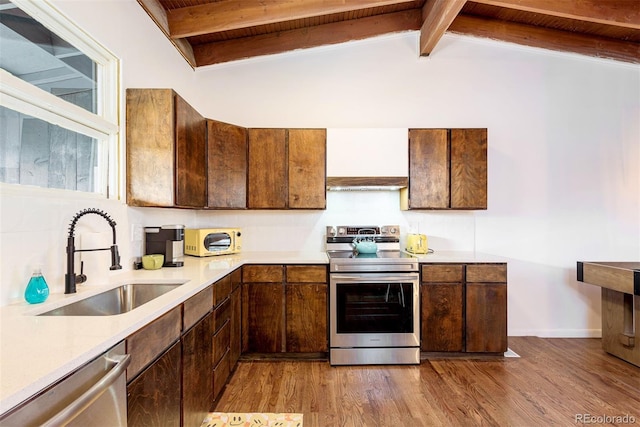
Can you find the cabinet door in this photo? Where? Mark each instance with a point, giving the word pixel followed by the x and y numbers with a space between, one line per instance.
pixel 428 169
pixel 153 398
pixel 468 168
pixel 150 147
pixel 486 308
pixel 442 317
pixel 442 298
pixel 235 340
pixel 197 364
pixel 227 166
pixel 307 168
pixel 267 169
pixel 306 317
pixel 191 160
pixel 262 311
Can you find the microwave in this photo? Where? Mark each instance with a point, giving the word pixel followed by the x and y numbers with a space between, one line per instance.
pixel 212 241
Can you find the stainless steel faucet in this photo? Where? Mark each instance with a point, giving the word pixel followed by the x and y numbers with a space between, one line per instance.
pixel 71 278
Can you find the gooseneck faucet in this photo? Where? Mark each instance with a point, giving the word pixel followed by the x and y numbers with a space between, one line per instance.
pixel 71 278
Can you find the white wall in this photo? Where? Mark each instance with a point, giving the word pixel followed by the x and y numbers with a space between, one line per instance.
pixel 563 153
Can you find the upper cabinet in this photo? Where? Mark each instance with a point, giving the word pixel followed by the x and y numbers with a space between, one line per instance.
pixel 166 150
pixel 227 162
pixel 287 169
pixel 447 169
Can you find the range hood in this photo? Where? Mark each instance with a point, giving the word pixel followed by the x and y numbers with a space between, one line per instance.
pixel 367 159
pixel 366 183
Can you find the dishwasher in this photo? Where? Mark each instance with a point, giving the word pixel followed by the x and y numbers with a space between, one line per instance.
pixel 93 395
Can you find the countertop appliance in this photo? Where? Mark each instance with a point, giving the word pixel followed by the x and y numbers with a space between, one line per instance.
pixel 94 395
pixel 212 241
pixel 374 299
pixel 167 240
pixel 417 243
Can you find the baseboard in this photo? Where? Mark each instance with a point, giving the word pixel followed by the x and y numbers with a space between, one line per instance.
pixel 556 333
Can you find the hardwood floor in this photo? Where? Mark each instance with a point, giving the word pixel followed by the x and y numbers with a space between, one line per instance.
pixel 555 381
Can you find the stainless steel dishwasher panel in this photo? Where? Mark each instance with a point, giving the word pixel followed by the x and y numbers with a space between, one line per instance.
pixel 94 395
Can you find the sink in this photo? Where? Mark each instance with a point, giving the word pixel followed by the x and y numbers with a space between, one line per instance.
pixel 115 301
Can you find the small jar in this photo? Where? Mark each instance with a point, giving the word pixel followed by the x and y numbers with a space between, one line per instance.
pixel 37 290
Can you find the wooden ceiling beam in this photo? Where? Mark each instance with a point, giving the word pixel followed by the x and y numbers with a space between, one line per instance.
pixel 546 38
pixel 228 15
pixel 437 15
pixel 327 34
pixel 621 13
pixel 157 13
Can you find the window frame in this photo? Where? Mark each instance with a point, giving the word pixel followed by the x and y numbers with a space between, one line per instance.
pixel 26 98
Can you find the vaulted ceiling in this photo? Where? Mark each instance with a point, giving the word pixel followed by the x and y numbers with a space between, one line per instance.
pixel 210 32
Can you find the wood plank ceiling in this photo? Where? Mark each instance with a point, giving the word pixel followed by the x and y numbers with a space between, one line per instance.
pixel 210 32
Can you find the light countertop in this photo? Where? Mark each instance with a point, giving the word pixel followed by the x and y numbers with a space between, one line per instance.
pixel 36 351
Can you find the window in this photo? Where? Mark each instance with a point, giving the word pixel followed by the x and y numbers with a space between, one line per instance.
pixel 58 102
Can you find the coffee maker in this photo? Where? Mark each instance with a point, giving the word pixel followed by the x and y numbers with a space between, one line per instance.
pixel 167 240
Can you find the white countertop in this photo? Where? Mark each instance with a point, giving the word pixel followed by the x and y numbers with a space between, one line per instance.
pixel 36 351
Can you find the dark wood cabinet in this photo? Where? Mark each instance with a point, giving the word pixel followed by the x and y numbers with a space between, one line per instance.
pixel 262 308
pixel 235 341
pixel 197 388
pixel 284 308
pixel 306 292
pixel 442 297
pixel 447 169
pixel 287 169
pixel 225 341
pixel 307 168
pixel 267 166
pixel 486 308
pixel 464 308
pixel 227 166
pixel 166 150
pixel 153 397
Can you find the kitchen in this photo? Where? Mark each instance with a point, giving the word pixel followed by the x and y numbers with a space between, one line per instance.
pixel 563 155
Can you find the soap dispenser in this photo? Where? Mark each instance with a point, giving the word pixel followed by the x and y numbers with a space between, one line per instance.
pixel 37 290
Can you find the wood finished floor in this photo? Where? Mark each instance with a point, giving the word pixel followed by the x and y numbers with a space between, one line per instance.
pixel 552 381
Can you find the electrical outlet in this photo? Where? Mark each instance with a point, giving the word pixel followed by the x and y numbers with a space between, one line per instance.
pixel 136 232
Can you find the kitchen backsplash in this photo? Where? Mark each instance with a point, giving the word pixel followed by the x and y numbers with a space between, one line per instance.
pixel 35 224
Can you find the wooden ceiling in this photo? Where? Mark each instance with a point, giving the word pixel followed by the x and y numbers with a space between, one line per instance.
pixel 210 32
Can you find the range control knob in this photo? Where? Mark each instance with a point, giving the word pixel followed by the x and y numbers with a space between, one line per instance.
pixel 342 231
pixel 331 232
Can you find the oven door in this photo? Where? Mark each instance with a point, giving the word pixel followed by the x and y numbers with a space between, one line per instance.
pixel 374 310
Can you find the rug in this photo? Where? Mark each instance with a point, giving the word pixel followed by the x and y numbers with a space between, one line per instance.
pixel 222 419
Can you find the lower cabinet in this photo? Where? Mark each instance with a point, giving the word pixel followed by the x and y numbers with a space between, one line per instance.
pixel 464 308
pixel 181 361
pixel 225 341
pixel 197 389
pixel 284 309
pixel 153 397
pixel 155 373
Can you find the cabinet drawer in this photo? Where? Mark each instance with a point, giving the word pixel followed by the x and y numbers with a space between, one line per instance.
pixel 442 273
pixel 306 274
pixel 221 374
pixel 150 341
pixel 236 278
pixel 196 307
pixel 222 290
pixel 221 342
pixel 222 313
pixel 262 273
pixel 491 273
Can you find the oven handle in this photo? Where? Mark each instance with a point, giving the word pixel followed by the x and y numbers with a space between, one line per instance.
pixel 369 278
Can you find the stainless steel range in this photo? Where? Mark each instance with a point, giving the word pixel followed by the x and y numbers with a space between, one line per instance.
pixel 373 298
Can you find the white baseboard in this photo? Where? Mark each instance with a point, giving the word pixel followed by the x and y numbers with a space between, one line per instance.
pixel 556 333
